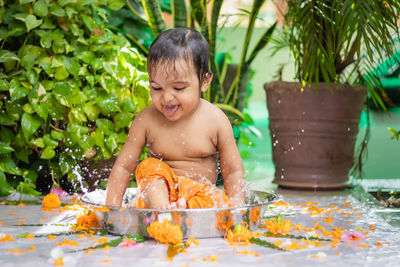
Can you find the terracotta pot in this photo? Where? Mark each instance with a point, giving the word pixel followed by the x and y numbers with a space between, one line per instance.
pixel 313 134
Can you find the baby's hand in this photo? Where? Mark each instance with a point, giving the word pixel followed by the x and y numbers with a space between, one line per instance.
pixel 179 204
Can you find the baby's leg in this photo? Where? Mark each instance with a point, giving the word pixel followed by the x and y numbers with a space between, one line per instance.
pixel 156 194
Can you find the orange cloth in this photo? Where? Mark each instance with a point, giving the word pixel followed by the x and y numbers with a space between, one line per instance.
pixel 197 195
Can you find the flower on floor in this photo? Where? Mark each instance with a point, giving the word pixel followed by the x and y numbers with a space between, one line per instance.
pixel 278 225
pixel 241 235
pixel 51 201
pixel 87 219
pixel 5 237
pixel 352 237
pixel 127 243
pixel 59 192
pixel 165 232
pixel 57 258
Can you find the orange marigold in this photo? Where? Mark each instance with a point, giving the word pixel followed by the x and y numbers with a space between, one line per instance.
pixel 278 225
pixel 51 201
pixel 241 235
pixel 87 219
pixel 165 232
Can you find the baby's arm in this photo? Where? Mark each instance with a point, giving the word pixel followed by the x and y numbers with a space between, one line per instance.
pixel 126 162
pixel 230 161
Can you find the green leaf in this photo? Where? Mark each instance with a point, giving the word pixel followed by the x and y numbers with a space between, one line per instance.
pixel 16 91
pixel 108 102
pixel 23 155
pixel 29 125
pixel 28 61
pixel 123 119
pixel 265 243
pixel 23 2
pixel 6 135
pixel 48 153
pixel 76 116
pixel 56 135
pixel 40 8
pixel 8 165
pixel 62 88
pixel 61 73
pixel 56 10
pixel 111 142
pixel 39 142
pixel 86 56
pixel 30 176
pixel 65 2
pixel 5 148
pixel 27 189
pixel 66 163
pixel 6 56
pixel 91 110
pixel 106 125
pixel 6 119
pixel 71 64
pixel 49 141
pixel 4 85
pixel 31 22
pixel 116 4
pixel 5 188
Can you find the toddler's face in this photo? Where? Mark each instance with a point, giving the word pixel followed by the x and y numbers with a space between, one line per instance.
pixel 175 89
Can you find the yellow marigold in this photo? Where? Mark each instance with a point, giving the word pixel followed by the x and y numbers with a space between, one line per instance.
pixel 241 235
pixel 87 219
pixel 165 232
pixel 6 237
pixel 51 201
pixel 278 225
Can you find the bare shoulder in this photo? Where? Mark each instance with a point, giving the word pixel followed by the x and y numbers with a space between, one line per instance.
pixel 213 113
pixel 147 113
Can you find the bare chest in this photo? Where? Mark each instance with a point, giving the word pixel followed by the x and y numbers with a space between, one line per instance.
pixel 181 143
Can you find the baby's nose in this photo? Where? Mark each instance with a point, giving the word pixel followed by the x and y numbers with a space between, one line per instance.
pixel 167 97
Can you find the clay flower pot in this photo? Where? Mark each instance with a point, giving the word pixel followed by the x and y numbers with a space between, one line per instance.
pixel 313 134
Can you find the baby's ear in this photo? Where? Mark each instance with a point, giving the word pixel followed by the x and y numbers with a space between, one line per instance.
pixel 206 82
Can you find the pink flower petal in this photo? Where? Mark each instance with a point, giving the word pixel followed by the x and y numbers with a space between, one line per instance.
pixel 352 237
pixel 59 192
pixel 127 243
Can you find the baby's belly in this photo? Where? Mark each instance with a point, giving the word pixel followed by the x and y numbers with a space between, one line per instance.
pixel 203 170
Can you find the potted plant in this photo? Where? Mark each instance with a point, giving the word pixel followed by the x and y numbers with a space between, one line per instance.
pixel 314 121
pixel 69 90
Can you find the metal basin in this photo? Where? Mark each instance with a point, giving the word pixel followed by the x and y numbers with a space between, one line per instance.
pixel 198 223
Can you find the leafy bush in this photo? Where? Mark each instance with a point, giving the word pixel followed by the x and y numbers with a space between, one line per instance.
pixel 69 89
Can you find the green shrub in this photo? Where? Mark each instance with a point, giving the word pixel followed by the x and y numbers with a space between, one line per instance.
pixel 69 89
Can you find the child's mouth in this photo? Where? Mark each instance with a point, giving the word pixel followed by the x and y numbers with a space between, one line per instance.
pixel 169 110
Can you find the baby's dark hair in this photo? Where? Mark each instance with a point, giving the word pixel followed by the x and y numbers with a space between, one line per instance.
pixel 177 43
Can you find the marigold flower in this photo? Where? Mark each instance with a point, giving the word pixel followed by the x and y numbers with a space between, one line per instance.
pixel 51 201
pixel 5 237
pixel 165 232
pixel 190 241
pixel 241 235
pixel 328 219
pixel 87 219
pixel 51 237
pixel 212 257
pixel 278 225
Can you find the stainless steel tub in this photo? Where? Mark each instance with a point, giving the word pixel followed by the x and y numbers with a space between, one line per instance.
pixel 198 223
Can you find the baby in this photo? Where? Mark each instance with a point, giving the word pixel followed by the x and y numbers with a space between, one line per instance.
pixel 185 135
